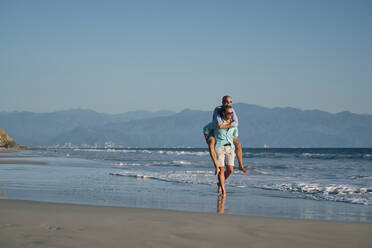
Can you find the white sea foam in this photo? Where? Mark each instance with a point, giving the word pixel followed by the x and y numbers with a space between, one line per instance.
pixel 191 177
pixel 165 152
pixel 155 163
pixel 181 162
pixel 177 153
pixel 344 193
pixel 264 155
pixel 307 155
pixel 331 192
pixel 368 156
pixel 323 155
pixel 127 164
pixel 336 156
pixel 88 150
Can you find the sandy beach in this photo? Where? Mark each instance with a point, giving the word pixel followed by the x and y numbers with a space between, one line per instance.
pixel 34 224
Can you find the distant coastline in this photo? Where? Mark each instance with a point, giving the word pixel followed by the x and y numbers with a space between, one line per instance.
pixel 258 127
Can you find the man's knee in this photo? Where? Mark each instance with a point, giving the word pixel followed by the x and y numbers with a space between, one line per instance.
pixel 229 169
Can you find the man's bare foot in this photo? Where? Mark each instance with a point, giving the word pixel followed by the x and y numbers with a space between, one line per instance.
pixel 243 169
pixel 223 191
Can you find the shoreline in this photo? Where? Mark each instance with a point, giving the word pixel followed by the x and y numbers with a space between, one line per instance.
pixel 73 180
pixel 18 159
pixel 40 224
pixel 3 161
pixel 14 149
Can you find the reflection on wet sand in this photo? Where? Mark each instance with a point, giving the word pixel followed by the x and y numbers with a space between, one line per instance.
pixel 3 161
pixel 13 156
pixel 221 204
pixel 2 193
pixel 10 159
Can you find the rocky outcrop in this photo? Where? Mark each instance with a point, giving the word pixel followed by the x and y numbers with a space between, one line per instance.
pixel 6 141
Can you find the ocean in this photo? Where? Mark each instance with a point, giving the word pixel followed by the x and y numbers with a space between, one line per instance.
pixel 317 183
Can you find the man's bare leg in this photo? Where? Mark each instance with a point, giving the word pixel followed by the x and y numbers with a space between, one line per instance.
pixel 221 180
pixel 212 153
pixel 219 189
pixel 239 154
pixel 229 170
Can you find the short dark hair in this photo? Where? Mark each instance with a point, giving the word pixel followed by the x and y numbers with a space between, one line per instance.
pixel 225 108
pixel 225 97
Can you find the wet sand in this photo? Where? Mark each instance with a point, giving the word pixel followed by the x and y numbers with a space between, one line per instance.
pixel 4 159
pixel 14 156
pixel 34 224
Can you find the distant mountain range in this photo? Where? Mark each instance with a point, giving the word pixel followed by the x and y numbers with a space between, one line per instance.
pixel 258 126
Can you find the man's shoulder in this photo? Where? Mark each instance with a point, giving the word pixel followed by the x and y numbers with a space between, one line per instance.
pixel 210 125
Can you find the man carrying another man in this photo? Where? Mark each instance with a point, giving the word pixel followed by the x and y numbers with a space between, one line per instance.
pixel 221 135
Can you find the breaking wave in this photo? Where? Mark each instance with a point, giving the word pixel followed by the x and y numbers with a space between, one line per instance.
pixel 156 163
pixel 175 152
pixel 254 179
pixel 306 155
pixel 331 192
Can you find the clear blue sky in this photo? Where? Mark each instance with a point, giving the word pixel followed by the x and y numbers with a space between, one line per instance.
pixel 118 56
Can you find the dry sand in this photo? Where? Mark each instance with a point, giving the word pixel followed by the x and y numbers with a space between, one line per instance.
pixel 33 224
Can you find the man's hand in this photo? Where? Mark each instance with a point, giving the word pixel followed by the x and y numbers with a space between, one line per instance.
pixel 217 171
pixel 224 126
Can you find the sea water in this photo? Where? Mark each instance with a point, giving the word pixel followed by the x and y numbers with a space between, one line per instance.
pixel 328 184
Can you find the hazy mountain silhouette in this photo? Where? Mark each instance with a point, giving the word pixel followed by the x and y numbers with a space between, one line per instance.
pixel 276 127
pixel 38 129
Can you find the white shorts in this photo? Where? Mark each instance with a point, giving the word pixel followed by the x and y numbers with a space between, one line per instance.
pixel 225 156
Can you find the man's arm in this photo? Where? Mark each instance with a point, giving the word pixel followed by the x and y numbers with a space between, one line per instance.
pixel 217 117
pixel 223 126
pixel 234 119
pixel 226 124
pixel 220 122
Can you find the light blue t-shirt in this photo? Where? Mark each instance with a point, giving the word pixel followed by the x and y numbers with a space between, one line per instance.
pixel 221 135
